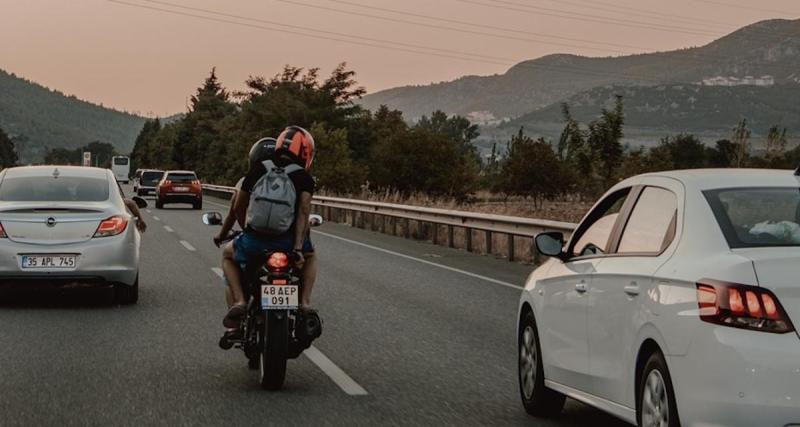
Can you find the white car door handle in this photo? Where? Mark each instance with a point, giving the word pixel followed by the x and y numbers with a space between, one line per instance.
pixel 580 288
pixel 632 289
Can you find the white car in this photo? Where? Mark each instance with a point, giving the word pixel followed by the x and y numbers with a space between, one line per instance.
pixel 672 303
pixel 67 226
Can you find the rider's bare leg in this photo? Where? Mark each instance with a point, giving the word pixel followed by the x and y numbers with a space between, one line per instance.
pixel 309 277
pixel 234 276
pixel 228 296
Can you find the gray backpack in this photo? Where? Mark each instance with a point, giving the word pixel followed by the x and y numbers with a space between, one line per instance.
pixel 272 200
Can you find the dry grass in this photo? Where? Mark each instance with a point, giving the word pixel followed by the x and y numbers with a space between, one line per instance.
pixel 567 210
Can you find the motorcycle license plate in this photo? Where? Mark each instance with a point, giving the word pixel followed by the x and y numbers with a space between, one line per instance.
pixel 282 297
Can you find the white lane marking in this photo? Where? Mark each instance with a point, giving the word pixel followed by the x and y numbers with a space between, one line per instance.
pixel 218 271
pixel 157 218
pixel 445 267
pixel 188 246
pixel 335 373
pixel 169 229
pixel 147 210
pixel 453 269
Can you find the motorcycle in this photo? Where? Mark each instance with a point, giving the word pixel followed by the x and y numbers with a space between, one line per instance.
pixel 273 329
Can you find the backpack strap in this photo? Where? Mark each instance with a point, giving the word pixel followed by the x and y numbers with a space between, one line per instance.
pixel 292 167
pixel 269 165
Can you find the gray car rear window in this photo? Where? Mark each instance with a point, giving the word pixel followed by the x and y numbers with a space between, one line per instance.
pixel 49 189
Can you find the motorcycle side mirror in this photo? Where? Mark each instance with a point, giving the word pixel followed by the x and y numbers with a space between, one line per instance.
pixel 212 218
pixel 315 220
pixel 140 202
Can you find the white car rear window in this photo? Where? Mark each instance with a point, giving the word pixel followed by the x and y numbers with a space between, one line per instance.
pixel 757 217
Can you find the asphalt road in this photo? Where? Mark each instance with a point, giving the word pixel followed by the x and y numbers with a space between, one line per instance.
pixel 414 334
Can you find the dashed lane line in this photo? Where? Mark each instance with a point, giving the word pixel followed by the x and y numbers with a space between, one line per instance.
pixel 218 271
pixel 423 261
pixel 188 246
pixel 169 229
pixel 157 218
pixel 335 373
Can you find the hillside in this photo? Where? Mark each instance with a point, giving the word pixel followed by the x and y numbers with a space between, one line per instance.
pixel 765 48
pixel 43 118
pixel 652 112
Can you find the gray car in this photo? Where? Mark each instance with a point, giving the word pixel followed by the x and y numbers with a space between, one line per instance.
pixel 67 226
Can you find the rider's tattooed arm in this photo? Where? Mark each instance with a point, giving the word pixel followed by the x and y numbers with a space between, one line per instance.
pixel 301 220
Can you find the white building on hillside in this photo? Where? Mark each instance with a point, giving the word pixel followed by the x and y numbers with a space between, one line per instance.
pixel 763 81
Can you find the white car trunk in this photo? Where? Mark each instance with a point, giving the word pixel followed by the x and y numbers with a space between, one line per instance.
pixel 778 269
pixel 50 226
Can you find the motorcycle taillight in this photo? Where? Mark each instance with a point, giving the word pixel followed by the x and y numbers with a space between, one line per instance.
pixel 278 261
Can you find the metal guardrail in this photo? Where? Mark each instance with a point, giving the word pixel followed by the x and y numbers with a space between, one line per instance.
pixel 389 216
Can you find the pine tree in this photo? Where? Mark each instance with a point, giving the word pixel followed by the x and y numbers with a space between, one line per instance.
pixel 8 154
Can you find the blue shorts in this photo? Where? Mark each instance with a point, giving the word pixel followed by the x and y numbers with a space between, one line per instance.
pixel 246 245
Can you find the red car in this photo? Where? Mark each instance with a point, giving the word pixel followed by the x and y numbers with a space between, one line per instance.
pixel 179 187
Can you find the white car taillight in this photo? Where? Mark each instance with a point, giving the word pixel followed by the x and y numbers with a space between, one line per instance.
pixel 111 227
pixel 741 306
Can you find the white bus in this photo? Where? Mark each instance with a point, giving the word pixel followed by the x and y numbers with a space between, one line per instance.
pixel 121 166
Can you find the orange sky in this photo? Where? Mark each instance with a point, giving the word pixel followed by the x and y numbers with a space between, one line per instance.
pixel 150 61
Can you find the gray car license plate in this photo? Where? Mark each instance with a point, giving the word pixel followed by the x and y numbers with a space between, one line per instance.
pixel 49 261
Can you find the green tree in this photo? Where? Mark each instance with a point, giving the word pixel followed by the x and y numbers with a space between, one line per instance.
pixel 604 138
pixel 456 128
pixel 685 151
pixel 143 148
pixel 776 146
pixel 8 154
pixel 417 160
pixel 200 144
pixel 741 144
pixel 722 155
pixel 532 169
pixel 334 168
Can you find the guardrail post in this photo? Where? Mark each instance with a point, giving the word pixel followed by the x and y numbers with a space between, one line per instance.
pixel 468 238
pixel 394 226
pixel 407 232
pixel 435 236
pixel 451 241
pixel 511 247
pixel 488 242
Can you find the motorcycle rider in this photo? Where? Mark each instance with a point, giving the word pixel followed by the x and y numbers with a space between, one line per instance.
pixel 262 150
pixel 295 145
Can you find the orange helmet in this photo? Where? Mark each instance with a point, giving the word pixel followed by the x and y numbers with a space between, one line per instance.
pixel 299 142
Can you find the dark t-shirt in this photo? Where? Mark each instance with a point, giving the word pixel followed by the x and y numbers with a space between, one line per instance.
pixel 302 180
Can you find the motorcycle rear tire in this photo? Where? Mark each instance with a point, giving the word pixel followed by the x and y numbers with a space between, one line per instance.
pixel 274 342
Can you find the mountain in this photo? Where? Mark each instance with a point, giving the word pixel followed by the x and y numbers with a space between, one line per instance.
pixel 652 112
pixel 39 119
pixel 765 48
